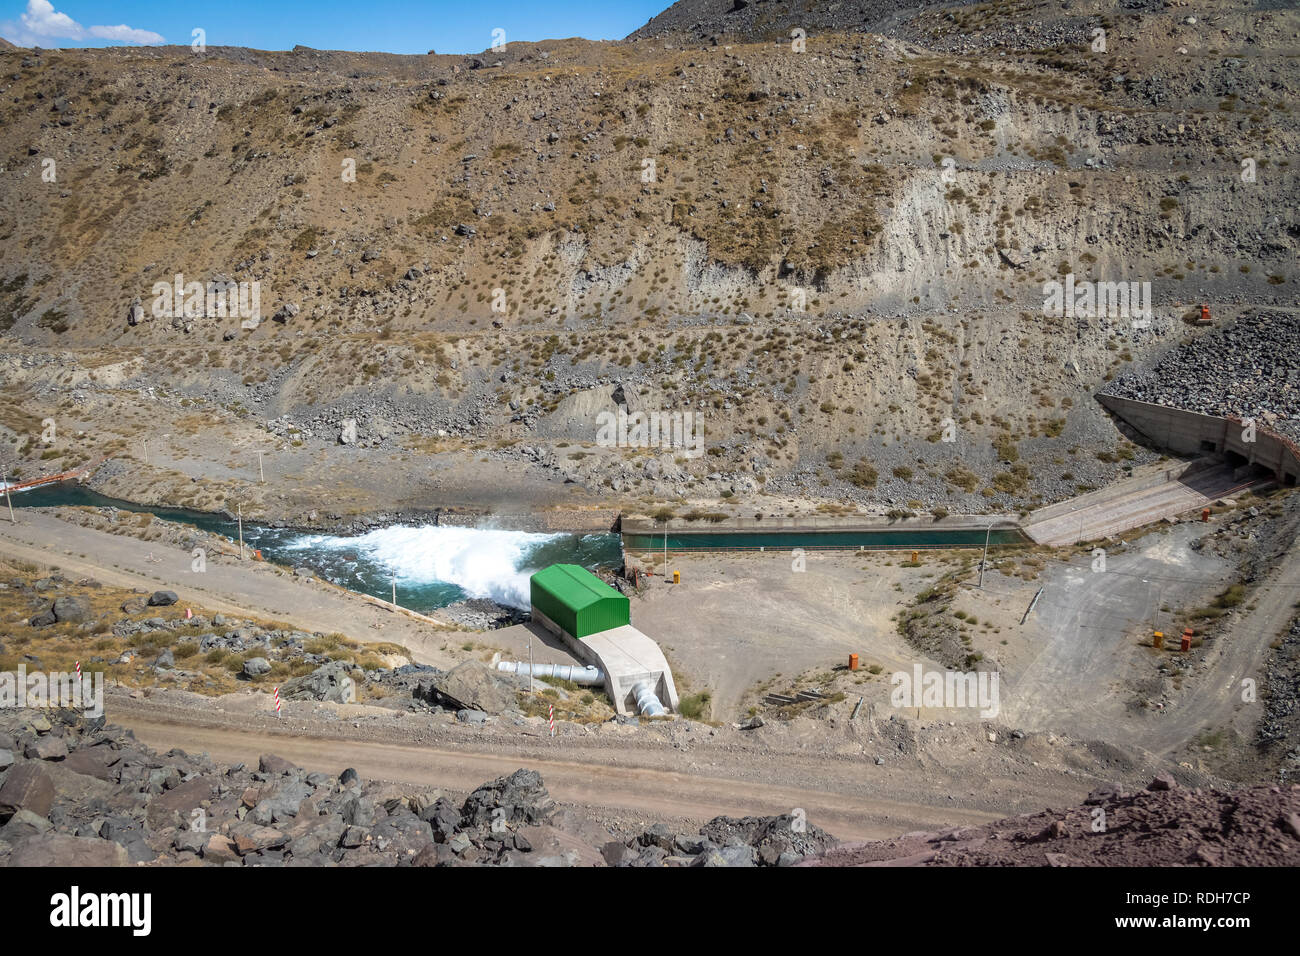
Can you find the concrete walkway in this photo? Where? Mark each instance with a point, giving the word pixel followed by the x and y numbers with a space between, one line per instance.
pixel 1161 493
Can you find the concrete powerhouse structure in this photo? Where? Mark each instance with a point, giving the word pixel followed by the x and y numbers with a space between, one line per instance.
pixel 576 601
pixel 594 621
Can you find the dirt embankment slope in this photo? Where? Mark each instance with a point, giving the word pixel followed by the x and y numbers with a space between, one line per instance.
pixel 1161 826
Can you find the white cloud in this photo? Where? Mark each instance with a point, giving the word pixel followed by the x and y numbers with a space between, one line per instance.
pixel 42 25
pixel 42 20
pixel 124 34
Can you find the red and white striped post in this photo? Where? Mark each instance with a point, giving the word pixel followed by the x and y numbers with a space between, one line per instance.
pixel 551 709
pixel 276 692
pixel 78 671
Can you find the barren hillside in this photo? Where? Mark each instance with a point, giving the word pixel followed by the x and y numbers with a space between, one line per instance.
pixel 827 251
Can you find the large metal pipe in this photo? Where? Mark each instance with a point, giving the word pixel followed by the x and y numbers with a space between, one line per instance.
pixel 574 672
pixel 646 701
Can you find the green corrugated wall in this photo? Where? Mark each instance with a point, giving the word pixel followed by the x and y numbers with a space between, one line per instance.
pixel 577 600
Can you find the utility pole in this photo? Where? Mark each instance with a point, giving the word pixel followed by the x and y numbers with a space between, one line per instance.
pixel 10 500
pixel 260 473
pixel 665 547
pixel 241 531
pixel 1155 612
pixel 146 451
pixel 394 590
pixel 985 560
pixel 530 660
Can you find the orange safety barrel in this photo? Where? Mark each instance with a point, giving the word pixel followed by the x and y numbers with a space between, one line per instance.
pixel 1158 639
pixel 677 577
pixel 1205 514
pixel 853 662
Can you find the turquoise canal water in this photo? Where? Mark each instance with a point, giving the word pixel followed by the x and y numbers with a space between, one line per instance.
pixel 435 566
pixel 432 566
pixel 897 539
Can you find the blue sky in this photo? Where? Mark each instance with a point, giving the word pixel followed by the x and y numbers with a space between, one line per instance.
pixel 393 26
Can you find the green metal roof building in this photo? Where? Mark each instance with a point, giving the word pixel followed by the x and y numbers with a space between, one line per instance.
pixel 577 601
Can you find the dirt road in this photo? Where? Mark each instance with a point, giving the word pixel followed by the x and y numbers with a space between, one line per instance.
pixel 627 791
pixel 1216 700
pixel 1083 641
pixel 1089 631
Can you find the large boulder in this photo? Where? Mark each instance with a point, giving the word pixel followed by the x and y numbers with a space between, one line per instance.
pixel 519 798
pixel 330 682
pixel 71 609
pixel 315 832
pixel 471 685
pixel 252 838
pixel 22 825
pixel 256 667
pixel 26 787
pixel 220 849
pixel 162 599
pixel 359 812
pixel 273 763
pixel 48 747
pixel 443 817
pixel 55 849
pixel 728 856
pixel 94 762
pixel 174 807
pixel 280 804
pixel 771 838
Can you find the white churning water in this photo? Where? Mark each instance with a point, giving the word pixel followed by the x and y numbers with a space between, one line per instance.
pixel 482 562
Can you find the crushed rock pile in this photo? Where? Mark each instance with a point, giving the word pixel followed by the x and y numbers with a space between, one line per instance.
pixel 1249 369
pixel 78 792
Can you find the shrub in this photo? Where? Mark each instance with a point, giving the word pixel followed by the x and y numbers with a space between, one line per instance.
pixel 695 706
pixel 864 475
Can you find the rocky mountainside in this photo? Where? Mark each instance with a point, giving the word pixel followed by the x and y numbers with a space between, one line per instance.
pixel 750 20
pixel 829 251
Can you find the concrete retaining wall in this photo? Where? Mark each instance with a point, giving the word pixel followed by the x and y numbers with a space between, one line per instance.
pixel 1192 434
